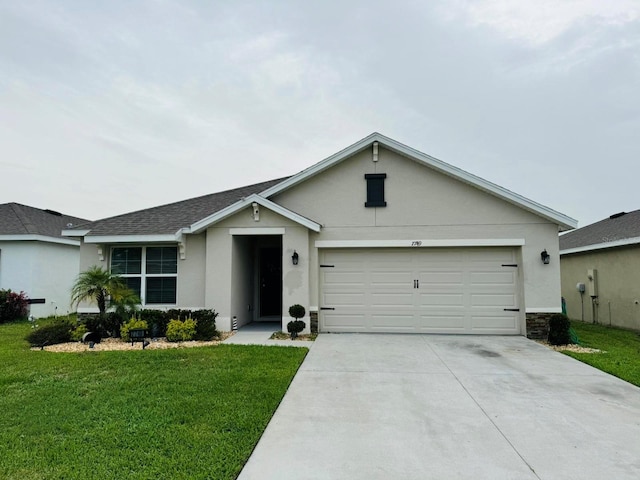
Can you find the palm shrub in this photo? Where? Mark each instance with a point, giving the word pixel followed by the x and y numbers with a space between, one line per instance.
pixel 105 289
pixel 559 329
pixel 181 330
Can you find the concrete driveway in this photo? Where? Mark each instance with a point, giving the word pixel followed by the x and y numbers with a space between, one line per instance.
pixel 449 407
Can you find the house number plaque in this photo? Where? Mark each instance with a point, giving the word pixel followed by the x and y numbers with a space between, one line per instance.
pixel 416 243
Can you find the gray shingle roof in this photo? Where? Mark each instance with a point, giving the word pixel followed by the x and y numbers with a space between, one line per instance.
pixel 168 219
pixel 620 226
pixel 18 219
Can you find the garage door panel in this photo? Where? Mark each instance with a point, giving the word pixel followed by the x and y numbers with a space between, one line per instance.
pixel 393 322
pixel 493 300
pixel 449 299
pixel 390 300
pixel 344 322
pixel 494 324
pixel 345 299
pixel 436 290
pixel 441 278
pixel 442 322
pixel 493 278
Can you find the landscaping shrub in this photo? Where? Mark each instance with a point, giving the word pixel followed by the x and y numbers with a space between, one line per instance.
pixel 559 329
pixel 78 332
pixel 13 305
pixel 57 332
pixel 130 325
pixel 181 330
pixel 205 324
pixel 157 320
pixel 297 311
pixel 107 325
pixel 294 327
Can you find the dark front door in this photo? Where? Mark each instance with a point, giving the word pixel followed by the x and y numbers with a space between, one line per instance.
pixel 271 282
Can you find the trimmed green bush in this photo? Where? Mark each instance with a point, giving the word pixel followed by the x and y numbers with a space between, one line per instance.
pixel 57 332
pixel 559 329
pixel 13 306
pixel 297 311
pixel 130 325
pixel 294 327
pixel 205 324
pixel 181 331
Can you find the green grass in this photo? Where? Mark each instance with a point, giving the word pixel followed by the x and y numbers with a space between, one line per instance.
pixel 162 414
pixel 621 350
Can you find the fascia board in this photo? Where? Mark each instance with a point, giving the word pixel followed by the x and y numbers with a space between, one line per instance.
pixel 39 238
pixel 602 246
pixel 241 204
pixel 564 222
pixel 130 238
pixel 75 233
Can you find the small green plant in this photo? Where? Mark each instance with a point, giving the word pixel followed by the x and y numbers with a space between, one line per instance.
pixel 78 332
pixel 559 329
pixel 132 324
pixel 57 332
pixel 181 331
pixel 13 306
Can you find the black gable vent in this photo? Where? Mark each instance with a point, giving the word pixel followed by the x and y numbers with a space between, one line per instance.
pixel 52 212
pixel 617 215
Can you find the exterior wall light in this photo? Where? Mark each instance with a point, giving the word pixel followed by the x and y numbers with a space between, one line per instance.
pixel 545 257
pixel 294 258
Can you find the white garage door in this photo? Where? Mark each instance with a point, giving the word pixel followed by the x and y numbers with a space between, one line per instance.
pixel 420 290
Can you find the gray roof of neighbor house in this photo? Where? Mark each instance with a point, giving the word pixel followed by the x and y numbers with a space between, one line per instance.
pixel 18 219
pixel 619 229
pixel 169 218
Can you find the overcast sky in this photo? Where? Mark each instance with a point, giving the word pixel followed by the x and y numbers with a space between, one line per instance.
pixel 110 107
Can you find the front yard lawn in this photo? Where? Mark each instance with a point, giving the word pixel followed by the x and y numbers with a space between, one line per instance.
pixel 162 414
pixel 621 350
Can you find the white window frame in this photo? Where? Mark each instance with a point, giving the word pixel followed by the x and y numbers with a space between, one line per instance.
pixel 143 272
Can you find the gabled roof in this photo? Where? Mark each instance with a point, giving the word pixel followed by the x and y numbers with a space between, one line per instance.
pixel 168 219
pixel 618 230
pixel 244 203
pixel 563 221
pixel 21 222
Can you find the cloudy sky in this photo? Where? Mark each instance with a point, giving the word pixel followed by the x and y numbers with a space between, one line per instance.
pixel 110 107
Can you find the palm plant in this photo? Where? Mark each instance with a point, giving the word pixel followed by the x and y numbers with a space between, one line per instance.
pixel 103 287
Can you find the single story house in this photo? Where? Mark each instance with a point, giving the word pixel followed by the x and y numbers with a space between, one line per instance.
pixel 600 271
pixel 378 237
pixel 36 258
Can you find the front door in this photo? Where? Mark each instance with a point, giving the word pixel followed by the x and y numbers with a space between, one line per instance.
pixel 270 277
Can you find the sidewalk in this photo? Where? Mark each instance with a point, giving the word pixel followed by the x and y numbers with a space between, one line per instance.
pixel 258 333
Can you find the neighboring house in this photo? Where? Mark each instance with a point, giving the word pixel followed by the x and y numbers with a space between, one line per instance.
pixel 600 266
pixel 36 258
pixel 376 238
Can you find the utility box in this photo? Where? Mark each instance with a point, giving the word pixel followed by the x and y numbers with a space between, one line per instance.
pixel 592 282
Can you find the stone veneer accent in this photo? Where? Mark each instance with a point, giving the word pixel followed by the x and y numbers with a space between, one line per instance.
pixel 314 321
pixel 538 325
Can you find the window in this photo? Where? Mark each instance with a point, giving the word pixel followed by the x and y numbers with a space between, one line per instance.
pixel 152 270
pixel 375 189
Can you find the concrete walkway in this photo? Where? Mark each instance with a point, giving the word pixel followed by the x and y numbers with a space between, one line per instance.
pixel 449 407
pixel 258 333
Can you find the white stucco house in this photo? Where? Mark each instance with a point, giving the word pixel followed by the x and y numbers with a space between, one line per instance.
pixel 379 237
pixel 36 258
